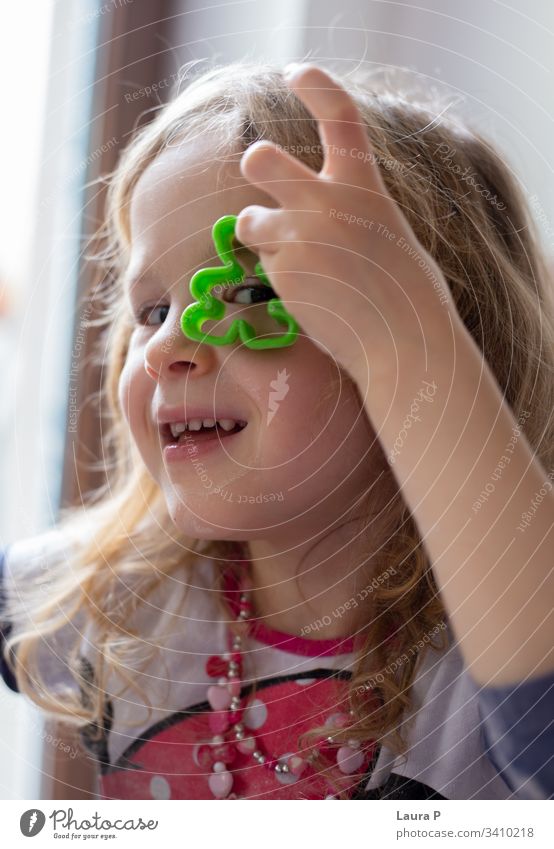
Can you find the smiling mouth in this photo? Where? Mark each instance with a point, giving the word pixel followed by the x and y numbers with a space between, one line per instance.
pixel 171 436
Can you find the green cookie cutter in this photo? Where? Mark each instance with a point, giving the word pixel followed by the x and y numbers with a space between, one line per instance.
pixel 207 307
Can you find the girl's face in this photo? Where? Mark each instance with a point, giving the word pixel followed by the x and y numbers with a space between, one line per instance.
pixel 305 448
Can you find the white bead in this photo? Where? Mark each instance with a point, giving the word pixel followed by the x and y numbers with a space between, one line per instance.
pixel 255 714
pixel 159 787
pixel 219 766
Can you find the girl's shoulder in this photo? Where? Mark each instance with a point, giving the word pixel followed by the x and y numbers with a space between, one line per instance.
pixel 29 554
pixel 26 585
pixel 27 566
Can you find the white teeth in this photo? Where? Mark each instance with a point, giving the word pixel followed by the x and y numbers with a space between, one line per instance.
pixel 177 428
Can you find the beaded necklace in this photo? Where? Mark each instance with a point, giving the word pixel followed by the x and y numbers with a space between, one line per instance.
pixel 230 735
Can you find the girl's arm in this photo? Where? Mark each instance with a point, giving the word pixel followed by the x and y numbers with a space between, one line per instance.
pixel 471 481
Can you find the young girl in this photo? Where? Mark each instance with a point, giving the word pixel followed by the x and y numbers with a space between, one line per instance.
pixel 320 570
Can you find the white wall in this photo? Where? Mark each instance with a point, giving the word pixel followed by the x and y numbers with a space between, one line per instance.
pixel 226 30
pixel 496 57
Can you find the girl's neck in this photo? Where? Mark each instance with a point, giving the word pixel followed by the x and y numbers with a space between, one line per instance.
pixel 310 590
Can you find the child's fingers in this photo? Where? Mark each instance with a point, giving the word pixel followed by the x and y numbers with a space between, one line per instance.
pixel 275 171
pixel 257 228
pixel 347 151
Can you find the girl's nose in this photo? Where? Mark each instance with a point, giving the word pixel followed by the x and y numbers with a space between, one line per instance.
pixel 172 354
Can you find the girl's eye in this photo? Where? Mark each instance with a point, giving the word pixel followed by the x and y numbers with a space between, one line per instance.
pixel 249 293
pixel 147 315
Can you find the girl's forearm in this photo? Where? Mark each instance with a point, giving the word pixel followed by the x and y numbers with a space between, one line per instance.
pixel 483 503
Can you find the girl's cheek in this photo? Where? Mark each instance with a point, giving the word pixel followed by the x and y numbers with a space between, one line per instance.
pixel 133 391
pixel 124 393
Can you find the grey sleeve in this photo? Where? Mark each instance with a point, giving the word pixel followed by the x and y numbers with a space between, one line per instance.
pixel 518 731
pixel 20 565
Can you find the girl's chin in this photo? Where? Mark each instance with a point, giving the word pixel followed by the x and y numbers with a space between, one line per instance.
pixel 194 512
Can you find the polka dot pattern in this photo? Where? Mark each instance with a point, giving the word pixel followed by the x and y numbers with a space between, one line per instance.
pixel 168 761
pixel 159 787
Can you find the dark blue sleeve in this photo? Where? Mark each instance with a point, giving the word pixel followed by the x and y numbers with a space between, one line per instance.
pixel 518 731
pixel 5 629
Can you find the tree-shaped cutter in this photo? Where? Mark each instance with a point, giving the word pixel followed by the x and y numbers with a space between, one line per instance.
pixel 230 273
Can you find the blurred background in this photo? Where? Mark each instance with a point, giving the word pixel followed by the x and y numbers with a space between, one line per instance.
pixel 79 75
